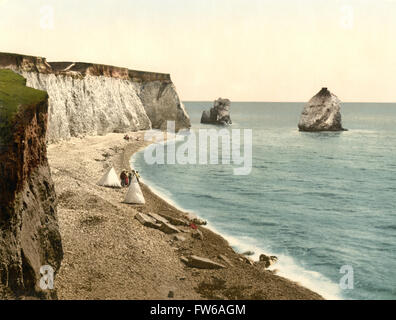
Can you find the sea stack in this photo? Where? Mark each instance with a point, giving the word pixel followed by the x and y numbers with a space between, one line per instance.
pixel 219 114
pixel 30 241
pixel 321 113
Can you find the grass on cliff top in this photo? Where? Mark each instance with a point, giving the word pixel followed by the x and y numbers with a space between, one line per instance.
pixel 14 93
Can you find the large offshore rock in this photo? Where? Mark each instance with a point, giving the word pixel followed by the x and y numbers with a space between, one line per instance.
pixel 321 113
pixel 29 232
pixel 219 114
pixel 92 99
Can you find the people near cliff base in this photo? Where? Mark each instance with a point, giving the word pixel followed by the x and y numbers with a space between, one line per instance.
pixel 110 179
pixel 134 194
pixel 124 178
pixel 130 178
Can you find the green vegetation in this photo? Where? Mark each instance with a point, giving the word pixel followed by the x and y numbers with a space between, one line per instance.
pixel 13 94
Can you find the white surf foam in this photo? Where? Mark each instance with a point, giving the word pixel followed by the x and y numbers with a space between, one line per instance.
pixel 286 266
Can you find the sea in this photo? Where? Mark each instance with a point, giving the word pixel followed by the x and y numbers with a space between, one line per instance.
pixel 323 203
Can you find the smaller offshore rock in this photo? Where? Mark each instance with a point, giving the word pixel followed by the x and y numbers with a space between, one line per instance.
pixel 219 114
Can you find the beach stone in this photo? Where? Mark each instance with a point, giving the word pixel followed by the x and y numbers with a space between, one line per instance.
pixel 248 253
pixel 147 221
pixel 157 217
pixel 225 259
pixel 173 220
pixel 179 238
pixel 267 261
pixel 184 259
pixel 204 263
pixel 168 228
pixel 197 234
pixel 321 113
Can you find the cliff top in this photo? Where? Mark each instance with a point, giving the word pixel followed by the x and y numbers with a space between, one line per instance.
pixel 76 69
pixel 13 94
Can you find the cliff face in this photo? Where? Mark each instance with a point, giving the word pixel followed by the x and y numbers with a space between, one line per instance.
pixel 322 113
pixel 91 99
pixel 29 233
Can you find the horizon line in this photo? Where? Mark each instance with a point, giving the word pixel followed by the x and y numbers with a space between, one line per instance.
pixel 256 101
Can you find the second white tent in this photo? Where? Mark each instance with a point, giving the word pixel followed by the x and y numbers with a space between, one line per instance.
pixel 134 194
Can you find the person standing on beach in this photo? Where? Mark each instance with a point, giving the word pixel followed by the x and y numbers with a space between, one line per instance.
pixel 126 179
pixel 130 175
pixel 123 178
pixel 136 174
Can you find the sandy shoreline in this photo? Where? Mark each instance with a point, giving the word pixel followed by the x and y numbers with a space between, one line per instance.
pixel 110 255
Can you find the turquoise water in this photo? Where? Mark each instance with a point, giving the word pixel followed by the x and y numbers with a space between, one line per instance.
pixel 316 200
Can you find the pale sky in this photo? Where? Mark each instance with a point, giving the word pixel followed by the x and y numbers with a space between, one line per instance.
pixel 245 50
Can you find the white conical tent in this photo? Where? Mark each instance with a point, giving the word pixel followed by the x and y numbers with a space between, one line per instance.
pixel 134 194
pixel 110 179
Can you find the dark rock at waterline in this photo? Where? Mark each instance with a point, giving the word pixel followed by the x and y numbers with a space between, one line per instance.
pixel 219 114
pixel 248 253
pixel 267 261
pixel 321 113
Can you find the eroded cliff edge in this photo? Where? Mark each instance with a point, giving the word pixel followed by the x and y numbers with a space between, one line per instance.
pixel 93 99
pixel 29 232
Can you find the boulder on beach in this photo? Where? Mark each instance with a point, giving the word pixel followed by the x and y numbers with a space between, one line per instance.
pixel 225 259
pixel 197 234
pixel 147 221
pixel 219 114
pixel 267 261
pixel 248 253
pixel 179 238
pixel 203 263
pixel 199 222
pixel 173 220
pixel 168 228
pixel 321 113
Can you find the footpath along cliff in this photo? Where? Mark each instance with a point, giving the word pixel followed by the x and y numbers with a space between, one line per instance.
pixel 29 232
pixel 93 99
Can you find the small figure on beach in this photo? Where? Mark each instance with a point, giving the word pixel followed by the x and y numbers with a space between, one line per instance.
pixel 136 174
pixel 130 175
pixel 124 178
pixel 126 137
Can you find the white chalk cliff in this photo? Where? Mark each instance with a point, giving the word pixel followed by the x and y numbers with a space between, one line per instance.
pixel 91 99
pixel 322 113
